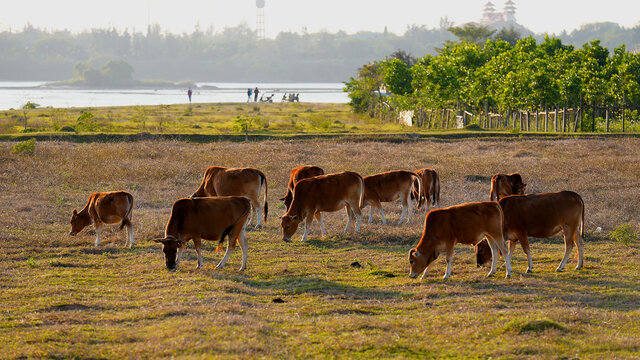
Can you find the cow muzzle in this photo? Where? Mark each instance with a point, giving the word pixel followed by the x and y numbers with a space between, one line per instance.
pixel 286 239
pixel 72 233
pixel 413 275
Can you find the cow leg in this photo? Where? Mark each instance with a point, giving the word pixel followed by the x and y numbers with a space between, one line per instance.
pixel 579 241
pixel 197 243
pixel 307 227
pixel 497 244
pixel 98 232
pixel 568 246
pixel 524 242
pixel 230 246
pixel 245 250
pixel 349 216
pixel 404 214
pixel 449 258
pixel 384 220
pixel 370 214
pixel 318 217
pixel 409 207
pixel 357 214
pixel 258 212
pixel 130 233
pixel 180 251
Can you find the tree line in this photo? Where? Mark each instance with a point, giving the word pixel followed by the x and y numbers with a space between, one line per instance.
pixel 528 86
pixel 234 53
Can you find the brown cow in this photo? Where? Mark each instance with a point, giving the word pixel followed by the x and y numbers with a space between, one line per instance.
pixel 220 181
pixel 105 208
pixel 209 218
pixel 324 193
pixel 504 185
pixel 430 182
pixel 541 216
pixel 298 174
pixel 390 186
pixel 465 224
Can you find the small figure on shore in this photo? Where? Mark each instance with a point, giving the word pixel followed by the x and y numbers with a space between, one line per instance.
pixel 284 97
pixel 189 93
pixel 255 94
pixel 296 98
pixel 249 93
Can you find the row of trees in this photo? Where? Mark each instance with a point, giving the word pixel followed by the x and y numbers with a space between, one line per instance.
pixel 234 54
pixel 500 85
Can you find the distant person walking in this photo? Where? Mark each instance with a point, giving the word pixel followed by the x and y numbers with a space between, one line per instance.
pixel 255 94
pixel 249 93
pixel 189 93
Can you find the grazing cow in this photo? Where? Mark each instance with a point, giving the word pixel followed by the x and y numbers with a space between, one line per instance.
pixel 105 208
pixel 220 181
pixel 324 193
pixel 298 174
pixel 465 224
pixel 541 216
pixel 390 186
pixel 504 185
pixel 430 182
pixel 209 218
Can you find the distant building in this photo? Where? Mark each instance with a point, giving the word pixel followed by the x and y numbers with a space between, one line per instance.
pixel 497 20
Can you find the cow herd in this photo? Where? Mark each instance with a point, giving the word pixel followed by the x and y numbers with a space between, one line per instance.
pixel 228 198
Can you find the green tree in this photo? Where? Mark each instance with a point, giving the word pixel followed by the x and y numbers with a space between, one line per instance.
pixel 25 111
pixel 472 33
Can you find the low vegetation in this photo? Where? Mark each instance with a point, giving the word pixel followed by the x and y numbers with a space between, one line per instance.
pixel 336 296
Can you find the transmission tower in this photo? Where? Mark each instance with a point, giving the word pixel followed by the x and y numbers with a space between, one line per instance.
pixel 260 19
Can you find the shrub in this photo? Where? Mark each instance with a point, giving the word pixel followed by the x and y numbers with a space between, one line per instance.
pixel 624 234
pixel 27 147
pixel 67 129
pixel 85 122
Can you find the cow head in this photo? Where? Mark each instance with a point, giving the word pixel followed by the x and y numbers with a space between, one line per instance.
pixel 170 247
pixel 419 262
pixel 289 226
pixel 287 200
pixel 78 222
pixel 517 186
pixel 483 253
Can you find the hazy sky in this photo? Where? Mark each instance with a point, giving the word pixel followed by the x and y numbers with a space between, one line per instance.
pixel 550 16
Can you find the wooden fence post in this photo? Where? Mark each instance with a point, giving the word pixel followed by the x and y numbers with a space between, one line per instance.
pixel 555 119
pixel 606 115
pixel 593 119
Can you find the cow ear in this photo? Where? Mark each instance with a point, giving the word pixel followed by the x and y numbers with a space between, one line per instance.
pixel 294 217
pixel 75 212
pixel 282 199
pixel 412 252
pixel 160 241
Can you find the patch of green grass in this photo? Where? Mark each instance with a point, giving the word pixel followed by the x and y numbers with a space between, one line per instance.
pixel 624 234
pixel 537 326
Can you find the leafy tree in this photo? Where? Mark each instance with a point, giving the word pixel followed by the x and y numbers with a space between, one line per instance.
pixel 397 76
pixel 510 35
pixel 25 110
pixel 472 33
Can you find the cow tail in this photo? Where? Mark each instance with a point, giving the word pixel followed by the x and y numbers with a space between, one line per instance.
pixel 582 220
pixel 361 191
pixel 413 175
pixel 127 217
pixel 263 180
pixel 436 188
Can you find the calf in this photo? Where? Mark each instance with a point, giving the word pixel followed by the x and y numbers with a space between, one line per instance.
pixel 298 174
pixel 210 218
pixel 105 208
pixel 465 224
pixel 430 182
pixel 504 185
pixel 390 186
pixel 248 182
pixel 541 216
pixel 324 193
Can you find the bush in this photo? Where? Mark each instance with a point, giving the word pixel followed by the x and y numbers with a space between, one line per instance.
pixel 27 147
pixel 624 234
pixel 85 122
pixel 67 129
pixel 28 130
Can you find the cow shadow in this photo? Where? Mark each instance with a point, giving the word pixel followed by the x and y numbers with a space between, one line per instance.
pixel 298 285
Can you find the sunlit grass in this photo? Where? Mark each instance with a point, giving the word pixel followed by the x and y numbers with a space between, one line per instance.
pixel 63 298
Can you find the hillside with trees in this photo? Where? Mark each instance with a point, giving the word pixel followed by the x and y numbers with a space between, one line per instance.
pixel 234 54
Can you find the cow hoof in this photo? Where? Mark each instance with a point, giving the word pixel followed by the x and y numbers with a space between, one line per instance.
pixel 508 276
pixel 559 270
pixel 241 269
pixel 529 271
pixel 489 275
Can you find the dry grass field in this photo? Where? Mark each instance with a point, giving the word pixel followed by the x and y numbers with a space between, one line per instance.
pixel 63 298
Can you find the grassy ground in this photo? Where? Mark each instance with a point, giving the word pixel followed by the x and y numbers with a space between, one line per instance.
pixel 63 298
pixel 208 119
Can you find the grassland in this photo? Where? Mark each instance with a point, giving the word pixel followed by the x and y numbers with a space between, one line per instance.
pixel 63 298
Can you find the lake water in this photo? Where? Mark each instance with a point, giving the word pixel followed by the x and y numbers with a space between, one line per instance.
pixel 15 94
